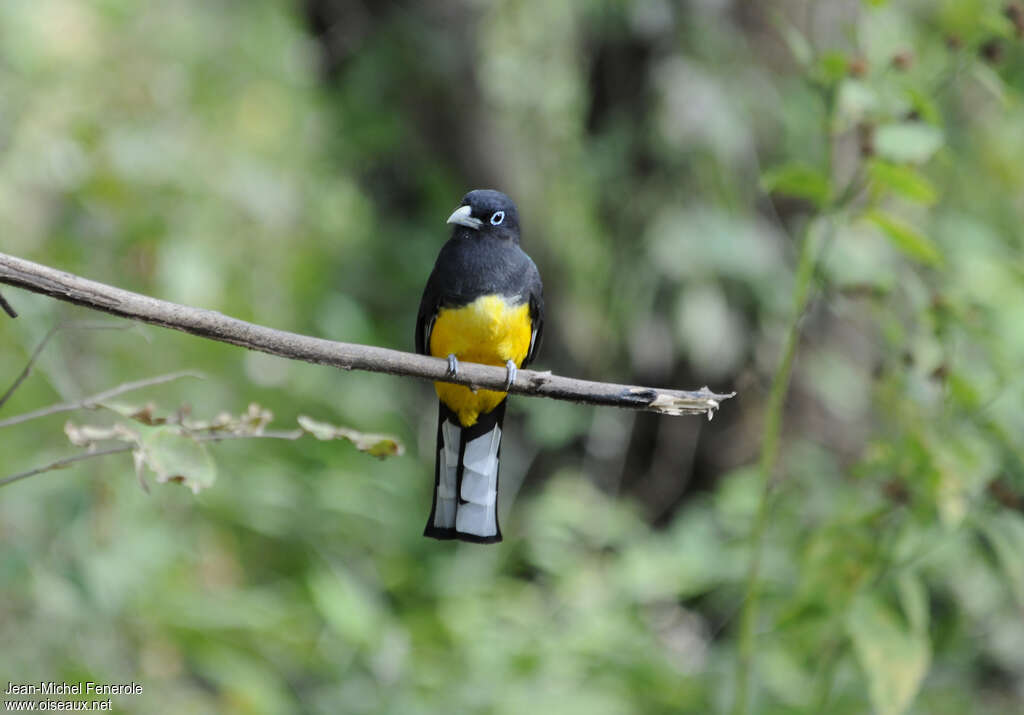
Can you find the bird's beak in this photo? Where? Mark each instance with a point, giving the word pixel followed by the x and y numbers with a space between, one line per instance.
pixel 462 217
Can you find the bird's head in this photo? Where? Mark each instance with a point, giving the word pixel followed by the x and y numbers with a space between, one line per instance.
pixel 485 212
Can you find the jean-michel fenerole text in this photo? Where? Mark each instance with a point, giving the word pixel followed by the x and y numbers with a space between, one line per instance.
pixel 86 688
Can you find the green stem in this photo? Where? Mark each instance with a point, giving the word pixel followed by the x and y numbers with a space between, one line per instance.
pixel 826 674
pixel 769 454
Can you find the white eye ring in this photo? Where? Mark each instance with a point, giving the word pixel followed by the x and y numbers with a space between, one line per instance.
pixel 497 217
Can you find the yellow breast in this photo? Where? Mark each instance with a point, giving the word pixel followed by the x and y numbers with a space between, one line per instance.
pixel 490 331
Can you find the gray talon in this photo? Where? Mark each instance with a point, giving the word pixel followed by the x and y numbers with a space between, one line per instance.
pixel 453 365
pixel 512 370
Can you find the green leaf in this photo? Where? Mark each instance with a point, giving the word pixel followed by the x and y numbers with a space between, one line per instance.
pixel 906 238
pixel 893 658
pixel 787 675
pixel 914 600
pixel 907 142
pixel 174 457
pixel 347 606
pixel 905 181
pixel 924 105
pixel 798 180
pixel 377 445
pixel 996 24
pixel 833 66
pixel 990 80
pixel 856 101
pixel 962 391
pixel 250 683
pixel 795 40
pixel 1005 532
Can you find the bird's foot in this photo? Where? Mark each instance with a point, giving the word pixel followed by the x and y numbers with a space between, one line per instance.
pixel 453 365
pixel 512 371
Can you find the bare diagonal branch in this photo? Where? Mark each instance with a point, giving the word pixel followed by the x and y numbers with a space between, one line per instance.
pixel 27 370
pixel 290 435
pixel 61 463
pixel 99 398
pixel 28 366
pixel 216 326
pixel 7 307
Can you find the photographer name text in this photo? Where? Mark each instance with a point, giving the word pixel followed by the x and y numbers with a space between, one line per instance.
pixel 86 688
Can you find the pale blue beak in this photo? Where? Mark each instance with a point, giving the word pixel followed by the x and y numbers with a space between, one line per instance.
pixel 462 217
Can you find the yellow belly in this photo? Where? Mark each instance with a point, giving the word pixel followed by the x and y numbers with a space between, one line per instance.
pixel 488 331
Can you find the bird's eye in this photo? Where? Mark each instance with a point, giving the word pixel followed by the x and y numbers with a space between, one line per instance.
pixel 497 217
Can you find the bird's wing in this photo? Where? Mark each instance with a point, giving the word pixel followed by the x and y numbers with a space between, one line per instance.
pixel 429 305
pixel 536 298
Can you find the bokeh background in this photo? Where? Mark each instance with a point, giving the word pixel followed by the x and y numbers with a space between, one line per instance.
pixel 292 163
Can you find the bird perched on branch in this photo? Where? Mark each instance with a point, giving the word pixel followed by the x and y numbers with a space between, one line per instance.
pixel 483 303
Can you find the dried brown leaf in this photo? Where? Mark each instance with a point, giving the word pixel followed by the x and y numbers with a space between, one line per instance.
pixel 378 445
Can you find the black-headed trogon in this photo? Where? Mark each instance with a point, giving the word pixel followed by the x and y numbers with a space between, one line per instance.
pixel 483 303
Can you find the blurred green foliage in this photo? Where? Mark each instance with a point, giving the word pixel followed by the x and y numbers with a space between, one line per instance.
pixel 292 164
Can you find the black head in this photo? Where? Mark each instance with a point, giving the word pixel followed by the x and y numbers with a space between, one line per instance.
pixel 485 212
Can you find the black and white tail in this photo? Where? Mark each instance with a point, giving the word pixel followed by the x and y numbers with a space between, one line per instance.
pixel 466 478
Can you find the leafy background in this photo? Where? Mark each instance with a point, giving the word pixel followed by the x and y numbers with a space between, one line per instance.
pixel 291 163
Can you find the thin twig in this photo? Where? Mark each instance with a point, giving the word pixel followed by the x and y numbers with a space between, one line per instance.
pixel 7 307
pixel 769 455
pixel 216 326
pixel 273 434
pixel 60 463
pixel 291 435
pixel 28 366
pixel 94 401
pixel 42 344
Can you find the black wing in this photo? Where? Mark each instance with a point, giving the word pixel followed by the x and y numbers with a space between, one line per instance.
pixel 429 305
pixel 536 298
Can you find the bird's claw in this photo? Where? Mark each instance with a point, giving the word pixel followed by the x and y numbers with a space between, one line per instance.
pixel 512 371
pixel 453 365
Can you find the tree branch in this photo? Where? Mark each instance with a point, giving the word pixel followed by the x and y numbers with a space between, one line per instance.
pixel 95 400
pixel 291 435
pixel 28 366
pixel 27 370
pixel 216 326
pixel 7 307
pixel 61 463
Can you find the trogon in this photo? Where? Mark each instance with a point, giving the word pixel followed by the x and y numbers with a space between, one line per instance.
pixel 483 303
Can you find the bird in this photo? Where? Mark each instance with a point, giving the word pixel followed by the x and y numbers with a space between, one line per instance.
pixel 483 303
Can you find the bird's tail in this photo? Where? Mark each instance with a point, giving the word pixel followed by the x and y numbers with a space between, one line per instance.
pixel 466 478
